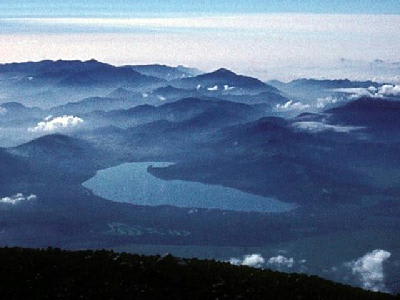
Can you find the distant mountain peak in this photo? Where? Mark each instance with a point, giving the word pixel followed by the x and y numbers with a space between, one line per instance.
pixel 54 143
pixel 55 138
pixel 221 74
pixel 120 93
pixel 164 71
pixel 224 80
pixel 12 105
pixel 223 71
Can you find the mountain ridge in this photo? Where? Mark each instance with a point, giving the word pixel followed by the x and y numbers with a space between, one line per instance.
pixel 68 275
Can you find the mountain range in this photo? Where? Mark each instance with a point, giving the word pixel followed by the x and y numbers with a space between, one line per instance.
pixel 336 166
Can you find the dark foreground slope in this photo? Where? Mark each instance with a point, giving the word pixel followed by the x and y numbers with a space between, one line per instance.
pixel 57 274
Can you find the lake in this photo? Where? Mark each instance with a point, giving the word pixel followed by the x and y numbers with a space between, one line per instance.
pixel 132 183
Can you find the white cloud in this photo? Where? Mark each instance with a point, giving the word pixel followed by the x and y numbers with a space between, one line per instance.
pixel 235 261
pixel 291 105
pixel 383 91
pixel 214 88
pixel 303 261
pixel 320 103
pixel 228 88
pixel 327 101
pixel 357 92
pixel 281 261
pixel 251 260
pixel 161 98
pixel 193 211
pixel 52 124
pixel 17 198
pixel 369 269
pixel 389 90
pixel 317 127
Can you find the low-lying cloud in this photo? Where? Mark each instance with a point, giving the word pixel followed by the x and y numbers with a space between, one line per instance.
pixel 328 101
pixel 317 127
pixel 386 90
pixel 369 269
pixel 251 260
pixel 358 92
pixel 51 123
pixel 317 105
pixel 17 198
pixel 213 88
pixel 228 88
pixel 292 106
pixel 389 90
pixel 281 261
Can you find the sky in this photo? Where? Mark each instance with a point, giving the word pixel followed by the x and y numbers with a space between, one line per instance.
pixel 270 39
pixel 131 7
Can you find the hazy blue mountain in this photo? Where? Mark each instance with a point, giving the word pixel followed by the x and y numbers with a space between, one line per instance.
pixel 75 73
pixel 57 156
pixel 306 89
pixel 13 170
pixel 189 70
pixel 169 92
pixel 51 67
pixel 93 104
pixel 269 157
pixel 223 79
pixel 224 84
pixel 310 117
pixel 122 93
pixel 172 130
pixel 270 98
pixel 166 72
pixel 52 147
pixel 51 83
pixel 332 84
pixel 368 111
pixel 219 129
pixel 34 74
pixel 165 94
pixel 177 111
pixel 108 76
pixel 380 117
pixel 16 111
pixel 265 157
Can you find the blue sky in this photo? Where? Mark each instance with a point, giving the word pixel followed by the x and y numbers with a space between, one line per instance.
pixel 95 8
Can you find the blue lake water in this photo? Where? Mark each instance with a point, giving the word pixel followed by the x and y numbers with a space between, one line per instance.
pixel 132 183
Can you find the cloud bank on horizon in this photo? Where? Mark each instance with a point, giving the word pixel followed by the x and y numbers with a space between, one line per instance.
pixel 126 7
pixel 283 39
